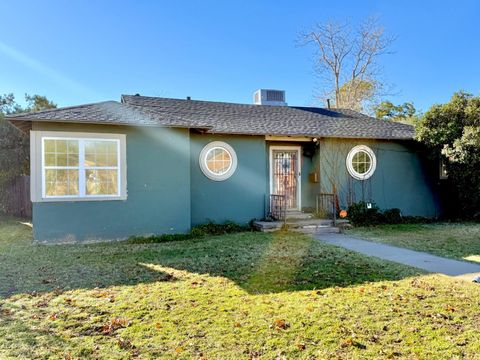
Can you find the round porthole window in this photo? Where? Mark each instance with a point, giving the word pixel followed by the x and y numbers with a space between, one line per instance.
pixel 218 161
pixel 361 162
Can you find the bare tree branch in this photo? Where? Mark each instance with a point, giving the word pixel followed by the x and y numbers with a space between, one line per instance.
pixel 347 60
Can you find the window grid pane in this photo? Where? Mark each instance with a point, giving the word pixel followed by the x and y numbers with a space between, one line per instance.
pixel 361 162
pixel 61 153
pixel 218 161
pixel 101 182
pixel 61 182
pixel 101 153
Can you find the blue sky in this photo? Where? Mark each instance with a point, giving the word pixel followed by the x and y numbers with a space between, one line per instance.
pixel 79 52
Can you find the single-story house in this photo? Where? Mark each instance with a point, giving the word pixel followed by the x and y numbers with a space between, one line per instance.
pixel 151 165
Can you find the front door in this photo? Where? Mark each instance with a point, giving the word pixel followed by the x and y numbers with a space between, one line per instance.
pixel 285 174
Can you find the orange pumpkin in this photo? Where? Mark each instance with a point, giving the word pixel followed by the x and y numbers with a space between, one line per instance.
pixel 343 214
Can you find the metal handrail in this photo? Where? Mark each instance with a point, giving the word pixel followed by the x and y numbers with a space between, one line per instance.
pixel 278 207
pixel 327 203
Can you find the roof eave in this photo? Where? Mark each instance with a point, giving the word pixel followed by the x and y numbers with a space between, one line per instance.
pixel 22 125
pixel 17 122
pixel 317 135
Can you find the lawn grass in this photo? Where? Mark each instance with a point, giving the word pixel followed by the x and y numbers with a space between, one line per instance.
pixel 247 295
pixel 453 240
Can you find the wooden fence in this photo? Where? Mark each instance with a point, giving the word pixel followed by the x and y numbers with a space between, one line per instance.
pixel 17 197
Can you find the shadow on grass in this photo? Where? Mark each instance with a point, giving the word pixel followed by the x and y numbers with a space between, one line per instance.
pixel 257 262
pixel 282 262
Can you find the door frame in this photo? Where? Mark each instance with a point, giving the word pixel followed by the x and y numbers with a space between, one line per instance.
pixel 299 175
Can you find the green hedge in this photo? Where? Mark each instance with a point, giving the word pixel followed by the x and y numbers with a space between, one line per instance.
pixel 361 215
pixel 199 231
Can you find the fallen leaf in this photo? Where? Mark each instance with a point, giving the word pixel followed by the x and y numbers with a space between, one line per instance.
pixel 7 312
pixel 280 324
pixel 346 343
pixel 301 346
pixel 124 344
pixel 114 324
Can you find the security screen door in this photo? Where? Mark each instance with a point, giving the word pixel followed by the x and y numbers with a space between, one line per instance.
pixel 285 174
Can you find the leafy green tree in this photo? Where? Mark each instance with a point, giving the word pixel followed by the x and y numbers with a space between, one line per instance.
pixel 38 103
pixel 452 132
pixel 8 104
pixel 405 112
pixel 14 144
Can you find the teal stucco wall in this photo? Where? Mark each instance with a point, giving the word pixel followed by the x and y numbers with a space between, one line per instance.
pixel 168 193
pixel 158 189
pixel 401 179
pixel 241 197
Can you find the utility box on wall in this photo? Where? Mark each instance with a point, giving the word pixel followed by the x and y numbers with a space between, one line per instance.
pixel 313 177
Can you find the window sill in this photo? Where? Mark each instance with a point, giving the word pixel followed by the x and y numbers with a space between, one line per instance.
pixel 82 199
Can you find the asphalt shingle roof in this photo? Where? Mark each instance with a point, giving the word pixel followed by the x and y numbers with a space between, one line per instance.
pixel 107 112
pixel 227 118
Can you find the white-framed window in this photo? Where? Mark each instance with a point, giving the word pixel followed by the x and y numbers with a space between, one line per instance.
pixel 361 162
pixel 74 166
pixel 218 161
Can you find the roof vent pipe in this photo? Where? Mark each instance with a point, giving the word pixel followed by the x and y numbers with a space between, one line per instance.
pixel 328 103
pixel 189 98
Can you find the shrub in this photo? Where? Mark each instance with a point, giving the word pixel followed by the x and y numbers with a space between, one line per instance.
pixel 392 216
pixel 451 133
pixel 416 220
pixel 199 231
pixel 212 228
pixel 158 238
pixel 360 215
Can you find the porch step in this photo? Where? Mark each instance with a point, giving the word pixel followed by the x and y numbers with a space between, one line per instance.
pixel 310 225
pixel 319 230
pixel 298 215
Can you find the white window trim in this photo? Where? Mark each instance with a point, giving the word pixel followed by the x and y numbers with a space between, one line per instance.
pixel 202 160
pixel 38 168
pixel 351 170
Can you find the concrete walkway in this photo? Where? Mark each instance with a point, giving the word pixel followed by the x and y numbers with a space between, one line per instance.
pixel 431 263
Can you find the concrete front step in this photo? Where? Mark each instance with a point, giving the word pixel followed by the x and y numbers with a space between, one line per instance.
pixel 298 215
pixel 319 230
pixel 310 225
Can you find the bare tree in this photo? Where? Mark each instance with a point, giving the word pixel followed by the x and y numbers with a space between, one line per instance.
pixel 346 59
